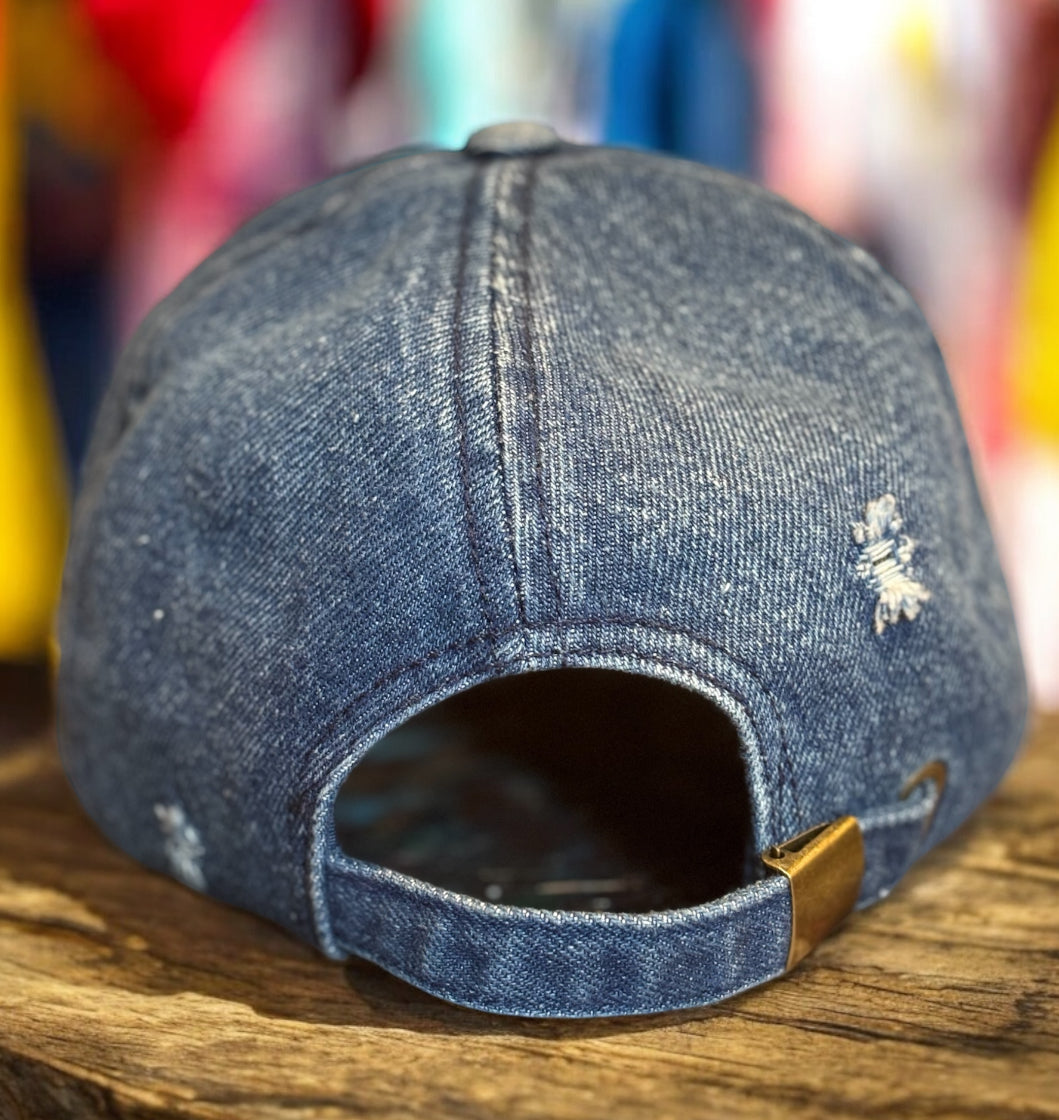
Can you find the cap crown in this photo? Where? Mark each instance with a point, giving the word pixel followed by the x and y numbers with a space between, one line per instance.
pixel 449 416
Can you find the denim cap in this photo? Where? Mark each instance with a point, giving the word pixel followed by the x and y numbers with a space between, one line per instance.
pixel 454 416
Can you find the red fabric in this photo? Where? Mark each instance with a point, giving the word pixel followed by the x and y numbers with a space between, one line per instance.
pixel 365 25
pixel 166 48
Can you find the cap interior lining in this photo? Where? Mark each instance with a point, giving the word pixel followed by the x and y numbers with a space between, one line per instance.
pixel 565 789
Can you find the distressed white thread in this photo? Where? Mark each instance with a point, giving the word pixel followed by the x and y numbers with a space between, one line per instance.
pixel 183 845
pixel 884 557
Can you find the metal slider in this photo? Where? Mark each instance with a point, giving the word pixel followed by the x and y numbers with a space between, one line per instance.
pixel 825 865
pixel 935 771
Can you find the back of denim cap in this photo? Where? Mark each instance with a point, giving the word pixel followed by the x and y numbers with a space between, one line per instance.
pixel 455 416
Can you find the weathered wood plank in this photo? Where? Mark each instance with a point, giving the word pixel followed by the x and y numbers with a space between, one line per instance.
pixel 124 995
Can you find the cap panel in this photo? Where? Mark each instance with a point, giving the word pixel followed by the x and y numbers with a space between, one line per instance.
pixel 283 521
pixel 726 389
pixel 138 370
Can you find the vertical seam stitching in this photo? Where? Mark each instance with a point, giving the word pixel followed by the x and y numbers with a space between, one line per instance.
pixel 463 251
pixel 529 334
pixel 498 418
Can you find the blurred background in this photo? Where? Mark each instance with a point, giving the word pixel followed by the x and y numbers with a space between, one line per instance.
pixel 135 135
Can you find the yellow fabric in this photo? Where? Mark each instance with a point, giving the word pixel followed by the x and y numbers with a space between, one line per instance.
pixel 915 42
pixel 61 78
pixel 1037 356
pixel 33 498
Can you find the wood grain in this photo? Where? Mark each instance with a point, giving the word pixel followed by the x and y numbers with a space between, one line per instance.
pixel 123 994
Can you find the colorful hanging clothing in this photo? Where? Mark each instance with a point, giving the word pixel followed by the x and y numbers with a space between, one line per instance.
pixel 1037 363
pixel 681 81
pixel 32 477
pixel 167 50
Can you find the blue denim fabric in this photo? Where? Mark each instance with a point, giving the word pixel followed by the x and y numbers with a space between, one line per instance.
pixel 446 418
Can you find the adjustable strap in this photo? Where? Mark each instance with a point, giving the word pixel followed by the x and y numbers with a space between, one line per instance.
pixel 544 963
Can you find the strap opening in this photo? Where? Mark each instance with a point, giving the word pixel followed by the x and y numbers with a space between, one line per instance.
pixel 562 789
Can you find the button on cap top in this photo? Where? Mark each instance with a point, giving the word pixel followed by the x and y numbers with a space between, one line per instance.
pixel 514 138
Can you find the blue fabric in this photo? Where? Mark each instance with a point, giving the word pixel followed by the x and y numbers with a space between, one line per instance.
pixel 568 963
pixel 72 312
pixel 681 81
pixel 540 963
pixel 449 418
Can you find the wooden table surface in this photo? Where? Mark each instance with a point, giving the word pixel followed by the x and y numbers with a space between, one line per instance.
pixel 125 995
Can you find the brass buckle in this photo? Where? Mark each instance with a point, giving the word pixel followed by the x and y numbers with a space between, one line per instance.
pixel 824 865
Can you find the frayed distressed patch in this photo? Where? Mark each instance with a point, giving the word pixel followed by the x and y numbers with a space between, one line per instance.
pixel 183 845
pixel 884 557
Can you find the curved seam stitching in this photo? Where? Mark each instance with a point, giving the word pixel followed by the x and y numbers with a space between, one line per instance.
pixel 327 730
pixel 319 908
pixel 595 648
